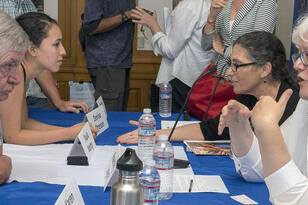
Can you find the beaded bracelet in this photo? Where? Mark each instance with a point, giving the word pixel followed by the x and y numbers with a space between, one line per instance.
pixel 211 22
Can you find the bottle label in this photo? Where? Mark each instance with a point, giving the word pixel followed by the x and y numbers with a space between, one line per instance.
pixel 164 161
pixel 151 190
pixel 146 130
pixel 165 96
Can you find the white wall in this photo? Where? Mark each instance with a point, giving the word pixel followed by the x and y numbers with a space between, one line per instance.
pixel 51 8
pixel 144 43
pixel 284 24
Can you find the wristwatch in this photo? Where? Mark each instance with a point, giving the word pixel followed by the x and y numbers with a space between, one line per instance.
pixel 124 17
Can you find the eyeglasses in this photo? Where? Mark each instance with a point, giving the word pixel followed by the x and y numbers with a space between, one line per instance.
pixel 303 56
pixel 235 66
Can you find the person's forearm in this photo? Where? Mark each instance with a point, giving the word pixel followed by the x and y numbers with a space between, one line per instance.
pixel 186 132
pixel 47 84
pixel 155 28
pixel 209 26
pixel 35 137
pixel 5 168
pixel 107 24
pixel 273 150
pixel 241 138
pixel 30 124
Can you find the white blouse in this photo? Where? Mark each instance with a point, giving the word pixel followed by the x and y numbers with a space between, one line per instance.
pixel 289 184
pixel 180 47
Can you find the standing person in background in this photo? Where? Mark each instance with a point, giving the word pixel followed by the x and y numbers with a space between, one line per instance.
pixel 109 39
pixel 183 59
pixel 44 81
pixel 229 19
pixel 14 43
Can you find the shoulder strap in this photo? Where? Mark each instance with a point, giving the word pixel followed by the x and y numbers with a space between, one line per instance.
pixel 25 75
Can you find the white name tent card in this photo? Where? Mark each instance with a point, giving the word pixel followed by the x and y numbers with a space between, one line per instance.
pixel 111 166
pixel 82 153
pixel 98 119
pixel 100 102
pixel 70 195
pixel 87 141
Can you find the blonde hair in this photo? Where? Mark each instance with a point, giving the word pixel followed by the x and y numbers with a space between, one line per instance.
pixel 12 36
pixel 300 30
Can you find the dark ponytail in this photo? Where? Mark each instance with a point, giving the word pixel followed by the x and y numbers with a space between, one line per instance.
pixel 263 47
pixel 36 25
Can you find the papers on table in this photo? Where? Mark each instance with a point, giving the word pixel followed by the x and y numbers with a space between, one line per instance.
pixel 168 124
pixel 201 183
pixel 243 199
pixel 47 163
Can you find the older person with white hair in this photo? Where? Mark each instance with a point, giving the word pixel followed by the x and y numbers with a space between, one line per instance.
pixel 277 154
pixel 14 43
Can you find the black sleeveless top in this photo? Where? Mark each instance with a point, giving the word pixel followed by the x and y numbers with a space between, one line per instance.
pixel 23 69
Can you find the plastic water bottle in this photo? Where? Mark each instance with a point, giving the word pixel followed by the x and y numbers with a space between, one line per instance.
pixel 150 180
pixel 164 160
pixel 165 99
pixel 146 135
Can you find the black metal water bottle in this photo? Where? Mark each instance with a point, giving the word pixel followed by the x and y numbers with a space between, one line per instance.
pixel 128 191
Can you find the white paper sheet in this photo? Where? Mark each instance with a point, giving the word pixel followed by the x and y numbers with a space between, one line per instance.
pixel 243 199
pixel 47 163
pixel 168 124
pixel 201 183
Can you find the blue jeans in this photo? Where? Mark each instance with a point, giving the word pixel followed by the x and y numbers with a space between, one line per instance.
pixel 35 102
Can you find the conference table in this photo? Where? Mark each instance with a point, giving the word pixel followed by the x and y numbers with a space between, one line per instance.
pixel 43 193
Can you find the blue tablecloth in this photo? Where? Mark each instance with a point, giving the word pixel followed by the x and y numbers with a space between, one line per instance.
pixel 42 193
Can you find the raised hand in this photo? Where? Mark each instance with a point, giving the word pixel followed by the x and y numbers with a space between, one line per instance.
pixel 235 115
pixel 267 112
pixel 142 16
pixel 216 7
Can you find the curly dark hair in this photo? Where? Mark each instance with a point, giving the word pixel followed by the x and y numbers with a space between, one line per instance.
pixel 263 47
pixel 36 25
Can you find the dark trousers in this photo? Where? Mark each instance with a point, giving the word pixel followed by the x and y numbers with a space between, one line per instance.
pixel 113 85
pixel 179 93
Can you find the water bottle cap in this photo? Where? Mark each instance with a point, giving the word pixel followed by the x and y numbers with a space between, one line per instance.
pixel 163 137
pixel 150 162
pixel 147 110
pixel 129 161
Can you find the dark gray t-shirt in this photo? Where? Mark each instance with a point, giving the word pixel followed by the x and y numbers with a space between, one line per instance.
pixel 112 48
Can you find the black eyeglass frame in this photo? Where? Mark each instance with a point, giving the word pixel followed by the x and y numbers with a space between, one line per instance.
pixel 234 67
pixel 295 56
